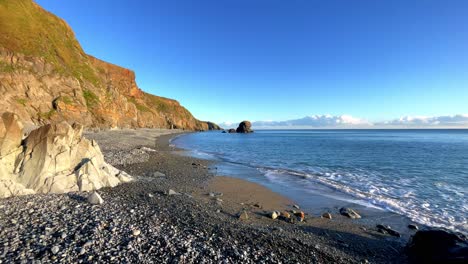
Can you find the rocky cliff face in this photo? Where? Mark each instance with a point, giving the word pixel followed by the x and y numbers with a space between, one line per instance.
pixel 46 76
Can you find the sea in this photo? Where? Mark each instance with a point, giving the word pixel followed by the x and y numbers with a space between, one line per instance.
pixel 419 174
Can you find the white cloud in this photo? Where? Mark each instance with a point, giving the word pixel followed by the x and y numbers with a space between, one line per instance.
pixel 315 121
pixel 347 121
pixel 430 121
pixel 227 124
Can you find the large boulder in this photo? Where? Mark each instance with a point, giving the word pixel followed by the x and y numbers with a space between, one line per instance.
pixel 55 158
pixel 438 246
pixel 244 127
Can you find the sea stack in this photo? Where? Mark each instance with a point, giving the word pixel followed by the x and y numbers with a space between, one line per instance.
pixel 244 127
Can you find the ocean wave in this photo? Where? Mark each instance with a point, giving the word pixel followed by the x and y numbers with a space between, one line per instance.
pixel 377 197
pixel 444 207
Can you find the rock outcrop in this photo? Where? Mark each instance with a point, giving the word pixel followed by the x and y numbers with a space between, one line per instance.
pixel 45 76
pixel 54 158
pixel 244 127
pixel 438 246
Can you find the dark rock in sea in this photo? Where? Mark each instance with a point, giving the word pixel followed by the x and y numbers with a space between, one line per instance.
pixel 349 213
pixel 224 131
pixel 438 246
pixel 388 230
pixel 244 127
pixel 231 130
pixel 414 227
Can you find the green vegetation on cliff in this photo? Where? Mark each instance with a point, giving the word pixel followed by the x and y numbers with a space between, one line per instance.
pixel 91 98
pixel 28 29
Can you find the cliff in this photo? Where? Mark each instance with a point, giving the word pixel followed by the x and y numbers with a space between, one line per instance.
pixel 46 76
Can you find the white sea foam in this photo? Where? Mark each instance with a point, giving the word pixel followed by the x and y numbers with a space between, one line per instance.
pixel 379 197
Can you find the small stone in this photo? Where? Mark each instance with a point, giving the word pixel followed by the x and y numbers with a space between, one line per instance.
pixel 150 195
pixel 172 192
pixel 88 243
pixel 387 229
pixel 300 216
pixel 279 229
pixel 243 215
pixel 296 206
pixel 158 174
pixel 414 227
pixel 55 250
pixel 273 215
pixel 63 235
pixel 31 211
pixel 95 198
pixel 215 194
pixel 285 215
pixel 349 213
pixel 136 232
pixel 382 231
pixel 327 215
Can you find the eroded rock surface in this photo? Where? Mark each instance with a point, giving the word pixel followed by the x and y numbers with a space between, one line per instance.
pixel 54 158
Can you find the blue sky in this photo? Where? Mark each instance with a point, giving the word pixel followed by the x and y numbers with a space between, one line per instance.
pixel 228 60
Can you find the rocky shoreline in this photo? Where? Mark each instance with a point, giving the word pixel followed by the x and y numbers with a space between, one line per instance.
pixel 199 221
pixel 139 221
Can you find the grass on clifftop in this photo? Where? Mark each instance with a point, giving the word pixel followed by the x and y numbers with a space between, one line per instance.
pixel 28 29
pixel 169 107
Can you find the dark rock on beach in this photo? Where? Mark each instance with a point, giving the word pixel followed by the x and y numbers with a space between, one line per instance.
pixel 349 213
pixel 438 246
pixel 327 215
pixel 385 229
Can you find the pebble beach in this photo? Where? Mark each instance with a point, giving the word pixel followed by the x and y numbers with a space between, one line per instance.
pixel 176 210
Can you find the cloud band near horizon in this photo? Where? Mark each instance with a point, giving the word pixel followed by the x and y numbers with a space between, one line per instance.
pixel 347 121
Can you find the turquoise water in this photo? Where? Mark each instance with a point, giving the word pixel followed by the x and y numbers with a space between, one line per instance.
pixel 421 174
